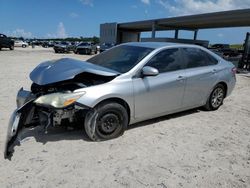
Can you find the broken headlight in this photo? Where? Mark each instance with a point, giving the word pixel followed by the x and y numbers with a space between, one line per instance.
pixel 58 100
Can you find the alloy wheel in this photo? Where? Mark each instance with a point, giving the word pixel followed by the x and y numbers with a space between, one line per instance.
pixel 217 97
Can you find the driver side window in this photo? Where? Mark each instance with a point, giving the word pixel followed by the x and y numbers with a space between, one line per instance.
pixel 167 60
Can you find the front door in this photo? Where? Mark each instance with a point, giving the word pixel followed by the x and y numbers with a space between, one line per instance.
pixel 161 94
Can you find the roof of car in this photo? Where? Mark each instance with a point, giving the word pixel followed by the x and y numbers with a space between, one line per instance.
pixel 156 45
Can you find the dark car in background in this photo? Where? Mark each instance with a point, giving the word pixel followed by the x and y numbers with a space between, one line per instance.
pixel 106 46
pixel 47 44
pixel 63 47
pixel 86 48
pixel 224 50
pixel 6 42
pixel 220 46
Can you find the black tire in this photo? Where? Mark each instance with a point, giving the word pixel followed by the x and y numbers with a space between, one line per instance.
pixel 56 51
pixel 24 46
pixel 216 97
pixel 12 47
pixel 106 121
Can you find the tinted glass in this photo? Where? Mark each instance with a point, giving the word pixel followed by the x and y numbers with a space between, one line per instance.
pixel 198 58
pixel 121 58
pixel 85 44
pixel 211 60
pixel 167 60
pixel 64 43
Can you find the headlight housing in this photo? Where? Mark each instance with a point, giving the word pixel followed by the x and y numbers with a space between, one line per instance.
pixel 58 100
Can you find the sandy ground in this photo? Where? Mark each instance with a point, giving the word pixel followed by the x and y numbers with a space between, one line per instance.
pixel 190 149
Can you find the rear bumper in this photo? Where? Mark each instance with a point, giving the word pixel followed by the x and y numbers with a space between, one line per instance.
pixel 231 85
pixel 84 50
pixel 60 49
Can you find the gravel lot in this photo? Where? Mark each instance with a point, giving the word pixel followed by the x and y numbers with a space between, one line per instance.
pixel 189 149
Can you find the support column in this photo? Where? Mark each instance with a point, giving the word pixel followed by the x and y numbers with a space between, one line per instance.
pixel 195 34
pixel 176 34
pixel 153 30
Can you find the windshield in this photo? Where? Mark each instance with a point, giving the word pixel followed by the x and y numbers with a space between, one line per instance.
pixel 64 43
pixel 107 44
pixel 121 58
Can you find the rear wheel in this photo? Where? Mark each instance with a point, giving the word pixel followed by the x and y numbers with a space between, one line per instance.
pixel 216 98
pixel 106 121
pixel 12 47
pixel 24 46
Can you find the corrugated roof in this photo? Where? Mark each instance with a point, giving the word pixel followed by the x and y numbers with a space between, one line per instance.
pixel 233 18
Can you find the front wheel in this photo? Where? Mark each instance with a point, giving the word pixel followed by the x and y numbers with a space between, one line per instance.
pixel 106 121
pixel 216 98
pixel 12 47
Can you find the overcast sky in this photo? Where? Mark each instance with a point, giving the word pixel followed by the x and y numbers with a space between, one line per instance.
pixel 69 18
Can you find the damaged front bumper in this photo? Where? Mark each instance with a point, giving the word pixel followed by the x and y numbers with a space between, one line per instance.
pixel 35 110
pixel 12 131
pixel 17 120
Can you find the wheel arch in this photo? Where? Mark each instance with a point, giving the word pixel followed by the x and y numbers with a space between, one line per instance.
pixel 225 86
pixel 119 101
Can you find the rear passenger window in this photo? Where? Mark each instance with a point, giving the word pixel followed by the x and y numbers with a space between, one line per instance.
pixel 211 60
pixel 167 60
pixel 195 57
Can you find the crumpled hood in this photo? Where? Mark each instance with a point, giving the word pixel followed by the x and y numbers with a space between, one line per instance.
pixel 65 69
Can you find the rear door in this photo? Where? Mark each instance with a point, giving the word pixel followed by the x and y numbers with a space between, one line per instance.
pixel 201 74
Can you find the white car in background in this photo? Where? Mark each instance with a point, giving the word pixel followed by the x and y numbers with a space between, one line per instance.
pixel 20 43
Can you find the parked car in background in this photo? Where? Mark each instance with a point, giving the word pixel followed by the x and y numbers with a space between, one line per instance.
pixel 86 48
pixel 20 43
pixel 224 50
pixel 6 42
pixel 129 83
pixel 220 46
pixel 106 46
pixel 47 44
pixel 63 47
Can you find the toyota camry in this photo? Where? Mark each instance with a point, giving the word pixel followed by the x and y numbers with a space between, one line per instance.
pixel 126 84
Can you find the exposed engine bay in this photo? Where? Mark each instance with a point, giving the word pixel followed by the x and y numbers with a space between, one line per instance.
pixel 55 116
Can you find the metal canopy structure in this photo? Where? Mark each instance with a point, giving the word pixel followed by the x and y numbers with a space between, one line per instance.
pixel 233 18
pixel 131 31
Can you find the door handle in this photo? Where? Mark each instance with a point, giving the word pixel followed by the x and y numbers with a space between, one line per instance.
pixel 180 78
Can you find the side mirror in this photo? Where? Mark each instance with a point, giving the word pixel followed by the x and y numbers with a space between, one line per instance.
pixel 149 71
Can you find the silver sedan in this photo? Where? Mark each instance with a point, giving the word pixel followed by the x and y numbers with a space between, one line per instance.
pixel 129 83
